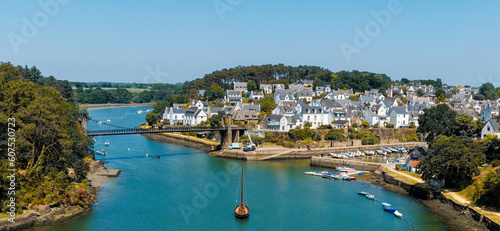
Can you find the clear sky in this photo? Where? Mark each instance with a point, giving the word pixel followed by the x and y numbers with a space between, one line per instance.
pixel 174 41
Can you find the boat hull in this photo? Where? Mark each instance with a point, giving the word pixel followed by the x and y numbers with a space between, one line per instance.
pixel 241 213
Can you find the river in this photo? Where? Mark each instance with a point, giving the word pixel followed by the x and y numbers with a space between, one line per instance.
pixel 187 189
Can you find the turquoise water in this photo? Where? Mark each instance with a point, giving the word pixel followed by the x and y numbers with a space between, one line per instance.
pixel 187 189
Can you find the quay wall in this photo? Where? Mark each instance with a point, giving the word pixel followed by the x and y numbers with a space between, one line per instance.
pixel 183 141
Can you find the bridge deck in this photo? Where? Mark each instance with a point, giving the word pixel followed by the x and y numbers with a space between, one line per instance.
pixel 127 131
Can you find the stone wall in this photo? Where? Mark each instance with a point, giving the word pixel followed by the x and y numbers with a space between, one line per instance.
pixel 183 141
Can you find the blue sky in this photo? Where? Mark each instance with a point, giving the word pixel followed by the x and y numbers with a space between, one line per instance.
pixel 175 41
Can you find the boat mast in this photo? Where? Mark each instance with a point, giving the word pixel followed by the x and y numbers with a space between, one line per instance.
pixel 241 201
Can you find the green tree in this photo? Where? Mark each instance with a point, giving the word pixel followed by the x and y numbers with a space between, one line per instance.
pixel 439 120
pixel 491 145
pixel 488 91
pixel 405 81
pixel 267 105
pixel 420 93
pixel 365 124
pixel 438 84
pixel 251 86
pixel 153 118
pixel 452 159
pixel 215 92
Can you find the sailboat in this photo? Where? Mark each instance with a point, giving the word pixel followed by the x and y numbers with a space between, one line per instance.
pixel 241 211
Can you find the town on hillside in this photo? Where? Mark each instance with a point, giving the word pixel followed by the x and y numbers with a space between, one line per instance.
pixel 300 104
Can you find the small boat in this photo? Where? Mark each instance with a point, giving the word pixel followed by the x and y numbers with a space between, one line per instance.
pixel 309 173
pixel 346 178
pixel 344 169
pixel 139 112
pixel 352 178
pixel 370 196
pixel 336 156
pixel 108 120
pixel 398 214
pixel 362 193
pixel 102 152
pixel 241 211
pixel 386 204
pixel 390 209
pixel 155 156
pixel 154 138
pixel 337 177
pixel 100 122
pixel 106 143
pixel 361 173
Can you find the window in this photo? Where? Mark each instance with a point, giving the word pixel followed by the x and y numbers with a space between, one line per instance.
pixel 488 128
pixel 175 117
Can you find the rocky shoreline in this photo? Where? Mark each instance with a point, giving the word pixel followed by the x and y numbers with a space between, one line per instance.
pixel 454 219
pixel 56 213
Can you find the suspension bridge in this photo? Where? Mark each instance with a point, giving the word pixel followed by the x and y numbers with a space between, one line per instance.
pixel 101 128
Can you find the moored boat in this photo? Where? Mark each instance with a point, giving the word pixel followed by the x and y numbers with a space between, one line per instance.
pixel 389 209
pixel 241 211
pixel 344 169
pixel 386 204
pixel 101 152
pixel 370 196
pixel 398 214
pixel 362 193
pixel 106 143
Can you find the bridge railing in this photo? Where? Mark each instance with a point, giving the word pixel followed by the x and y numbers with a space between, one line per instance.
pixel 155 130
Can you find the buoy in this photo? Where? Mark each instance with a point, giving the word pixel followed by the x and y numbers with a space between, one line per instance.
pixel 147 154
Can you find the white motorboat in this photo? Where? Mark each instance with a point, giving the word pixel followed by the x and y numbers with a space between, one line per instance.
pixel 108 120
pixel 386 204
pixel 344 169
pixel 102 152
pixel 370 196
pixel 139 112
pixel 106 143
pixel 398 214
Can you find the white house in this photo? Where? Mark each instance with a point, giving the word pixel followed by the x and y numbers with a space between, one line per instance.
pixel 315 115
pixel 277 123
pixel 400 117
pixel 281 96
pixel 305 95
pixel 177 115
pixel 486 113
pixel 278 86
pixel 240 86
pixel 233 97
pixel 256 95
pixel 491 127
pixel 194 116
pixel 266 88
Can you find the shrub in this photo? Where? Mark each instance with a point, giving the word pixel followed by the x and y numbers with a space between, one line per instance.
pixel 495 163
